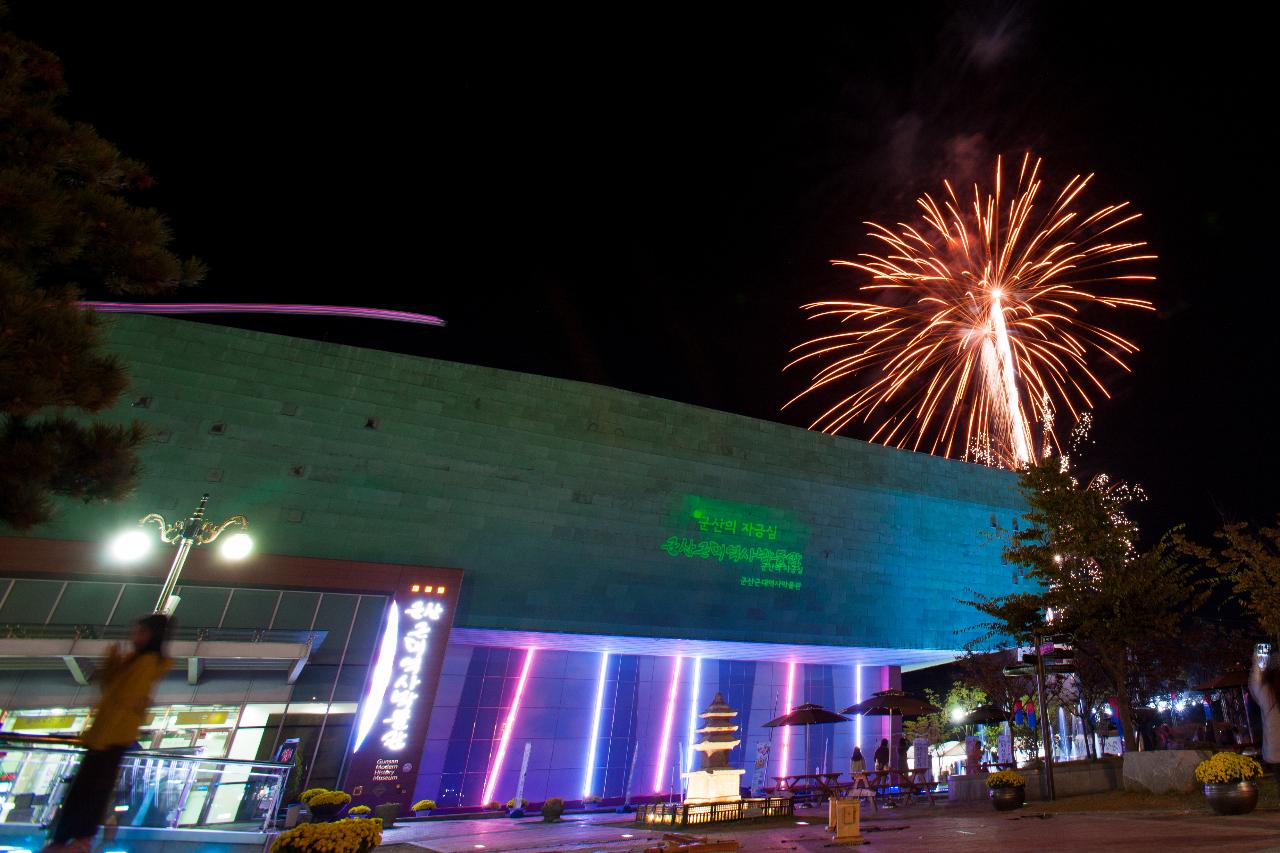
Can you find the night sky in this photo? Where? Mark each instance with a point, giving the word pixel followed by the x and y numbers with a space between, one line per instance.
pixel 643 199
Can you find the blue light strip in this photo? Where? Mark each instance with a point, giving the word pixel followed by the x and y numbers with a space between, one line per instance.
pixel 588 780
pixel 693 713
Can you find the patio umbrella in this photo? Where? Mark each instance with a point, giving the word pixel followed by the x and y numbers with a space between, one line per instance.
pixel 985 714
pixel 896 702
pixel 806 715
pixel 1235 678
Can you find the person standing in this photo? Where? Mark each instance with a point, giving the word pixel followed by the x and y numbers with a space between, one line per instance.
pixel 857 764
pixel 127 681
pixel 881 756
pixel 904 747
pixel 1264 686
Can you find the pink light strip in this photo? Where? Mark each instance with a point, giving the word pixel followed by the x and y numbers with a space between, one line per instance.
pixel 661 772
pixel 786 730
pixel 496 769
pixel 260 308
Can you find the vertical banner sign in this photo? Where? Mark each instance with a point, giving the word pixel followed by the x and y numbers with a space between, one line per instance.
pixel 631 775
pixel 524 768
pixel 391 728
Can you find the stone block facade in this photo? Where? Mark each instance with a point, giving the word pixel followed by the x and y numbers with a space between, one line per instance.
pixel 571 507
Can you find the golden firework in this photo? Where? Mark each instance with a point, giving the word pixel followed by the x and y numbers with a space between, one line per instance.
pixel 986 321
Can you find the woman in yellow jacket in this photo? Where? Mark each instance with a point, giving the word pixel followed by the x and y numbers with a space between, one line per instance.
pixel 127 682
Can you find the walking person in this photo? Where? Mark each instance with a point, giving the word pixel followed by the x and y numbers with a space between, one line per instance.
pixel 127 681
pixel 1264 686
pixel 881 756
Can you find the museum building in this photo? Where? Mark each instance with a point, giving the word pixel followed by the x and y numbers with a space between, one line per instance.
pixel 460 572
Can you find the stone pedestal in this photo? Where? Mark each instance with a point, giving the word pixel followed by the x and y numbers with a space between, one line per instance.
pixel 1162 771
pixel 714 786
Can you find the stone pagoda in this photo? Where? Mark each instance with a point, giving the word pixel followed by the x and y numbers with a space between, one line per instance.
pixel 715 781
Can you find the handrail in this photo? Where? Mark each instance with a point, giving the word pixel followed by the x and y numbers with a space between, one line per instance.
pixel 150 777
pixel 14 740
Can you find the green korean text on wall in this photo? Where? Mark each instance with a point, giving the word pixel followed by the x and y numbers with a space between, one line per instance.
pixel 763 537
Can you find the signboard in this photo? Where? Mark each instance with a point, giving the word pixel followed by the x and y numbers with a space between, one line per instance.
pixel 61 722
pixel 200 718
pixel 286 750
pixel 391 727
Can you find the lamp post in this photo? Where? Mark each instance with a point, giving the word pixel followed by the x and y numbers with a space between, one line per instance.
pixel 186 534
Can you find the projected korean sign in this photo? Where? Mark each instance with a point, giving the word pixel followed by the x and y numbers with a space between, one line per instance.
pixel 391 728
pixel 762 546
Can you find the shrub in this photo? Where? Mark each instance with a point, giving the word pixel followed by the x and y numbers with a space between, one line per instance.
pixel 1227 768
pixel 1006 779
pixel 305 796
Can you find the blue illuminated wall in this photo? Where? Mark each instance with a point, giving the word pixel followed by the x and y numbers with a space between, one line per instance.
pixel 572 508
pixel 557 710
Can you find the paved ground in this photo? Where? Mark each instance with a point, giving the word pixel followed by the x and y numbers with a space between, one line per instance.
pixel 941 828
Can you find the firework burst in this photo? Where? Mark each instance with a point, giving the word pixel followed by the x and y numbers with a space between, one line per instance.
pixel 985 321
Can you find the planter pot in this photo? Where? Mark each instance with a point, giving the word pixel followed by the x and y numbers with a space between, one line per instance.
pixel 388 812
pixel 1236 798
pixel 551 815
pixel 324 813
pixel 1009 798
pixel 422 813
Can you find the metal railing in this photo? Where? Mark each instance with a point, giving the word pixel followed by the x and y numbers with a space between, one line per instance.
pixel 154 789
pixel 690 814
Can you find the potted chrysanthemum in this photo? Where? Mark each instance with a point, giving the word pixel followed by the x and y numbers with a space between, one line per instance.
pixel 422 808
pixel 340 836
pixel 515 807
pixel 359 811
pixel 1008 790
pixel 1228 782
pixel 323 803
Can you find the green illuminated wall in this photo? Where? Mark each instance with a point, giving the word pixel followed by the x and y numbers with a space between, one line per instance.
pixel 571 507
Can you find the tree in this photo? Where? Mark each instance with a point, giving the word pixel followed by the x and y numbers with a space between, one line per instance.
pixel 66 225
pixel 938 728
pixel 1078 546
pixel 1250 560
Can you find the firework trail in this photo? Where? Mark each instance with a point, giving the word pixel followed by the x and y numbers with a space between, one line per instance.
pixel 980 329
pixel 260 308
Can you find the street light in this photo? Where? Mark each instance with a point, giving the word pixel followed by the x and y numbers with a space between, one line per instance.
pixel 186 534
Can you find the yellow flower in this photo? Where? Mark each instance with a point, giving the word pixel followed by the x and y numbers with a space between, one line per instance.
pixel 1227 768
pixel 1006 779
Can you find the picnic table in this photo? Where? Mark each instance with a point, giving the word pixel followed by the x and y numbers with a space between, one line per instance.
pixel 910 784
pixel 816 785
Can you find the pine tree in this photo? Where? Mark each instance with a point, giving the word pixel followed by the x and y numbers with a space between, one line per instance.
pixel 67 225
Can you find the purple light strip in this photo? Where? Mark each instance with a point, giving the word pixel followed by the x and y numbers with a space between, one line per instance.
pixel 260 308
